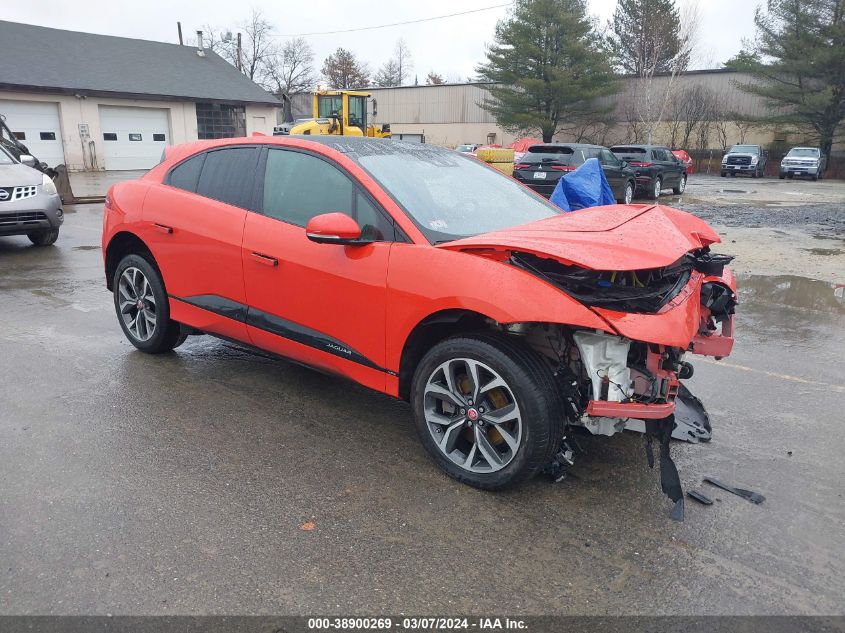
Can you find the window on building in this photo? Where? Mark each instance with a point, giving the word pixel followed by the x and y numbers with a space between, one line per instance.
pixel 47 136
pixel 21 136
pixel 228 175
pixel 220 120
pixel 109 136
pixel 158 137
pixel 136 137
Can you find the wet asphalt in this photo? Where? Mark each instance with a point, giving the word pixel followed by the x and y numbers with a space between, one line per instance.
pixel 184 483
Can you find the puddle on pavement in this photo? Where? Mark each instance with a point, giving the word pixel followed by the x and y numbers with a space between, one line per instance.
pixel 86 248
pixel 746 191
pixel 794 291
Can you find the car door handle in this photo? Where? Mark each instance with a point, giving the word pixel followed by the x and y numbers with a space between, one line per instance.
pixel 163 228
pixel 265 259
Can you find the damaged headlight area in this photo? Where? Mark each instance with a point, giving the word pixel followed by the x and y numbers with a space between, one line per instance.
pixel 639 291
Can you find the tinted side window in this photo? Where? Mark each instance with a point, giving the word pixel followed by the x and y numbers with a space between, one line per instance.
pixel 185 175
pixel 299 186
pixel 228 175
pixel 374 226
pixel 607 158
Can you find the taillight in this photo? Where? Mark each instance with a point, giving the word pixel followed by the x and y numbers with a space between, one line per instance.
pixel 522 166
pixel 640 164
pixel 562 168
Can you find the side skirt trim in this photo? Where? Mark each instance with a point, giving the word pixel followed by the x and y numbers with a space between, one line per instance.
pixel 280 327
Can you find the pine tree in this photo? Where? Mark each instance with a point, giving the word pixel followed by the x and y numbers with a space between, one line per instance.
pixel 646 35
pixel 342 70
pixel 797 61
pixel 546 68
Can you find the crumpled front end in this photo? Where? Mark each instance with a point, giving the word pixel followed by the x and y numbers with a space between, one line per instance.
pixel 632 372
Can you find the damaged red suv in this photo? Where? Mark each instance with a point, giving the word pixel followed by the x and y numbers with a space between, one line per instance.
pixel 424 274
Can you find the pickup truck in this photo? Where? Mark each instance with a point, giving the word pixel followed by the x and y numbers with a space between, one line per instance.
pixel 744 159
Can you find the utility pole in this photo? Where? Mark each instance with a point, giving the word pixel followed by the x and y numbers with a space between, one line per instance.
pixel 179 27
pixel 240 64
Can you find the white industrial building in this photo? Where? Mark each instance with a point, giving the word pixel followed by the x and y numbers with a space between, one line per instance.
pixel 98 102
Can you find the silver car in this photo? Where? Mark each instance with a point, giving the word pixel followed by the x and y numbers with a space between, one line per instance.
pixel 29 203
pixel 803 161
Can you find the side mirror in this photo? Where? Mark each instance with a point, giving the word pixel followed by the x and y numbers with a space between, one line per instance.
pixel 624 164
pixel 27 160
pixel 334 228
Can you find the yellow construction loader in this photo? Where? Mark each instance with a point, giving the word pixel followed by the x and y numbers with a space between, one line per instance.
pixel 340 112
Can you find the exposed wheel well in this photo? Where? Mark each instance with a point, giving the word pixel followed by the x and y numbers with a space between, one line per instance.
pixel 121 245
pixel 430 331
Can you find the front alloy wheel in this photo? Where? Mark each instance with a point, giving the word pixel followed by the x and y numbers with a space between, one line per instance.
pixel 658 187
pixel 472 415
pixel 137 304
pixel 487 409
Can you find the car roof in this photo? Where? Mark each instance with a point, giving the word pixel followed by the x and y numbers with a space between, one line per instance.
pixel 805 147
pixel 574 145
pixel 640 145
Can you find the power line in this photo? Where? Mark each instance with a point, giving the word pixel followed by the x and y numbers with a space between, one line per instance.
pixel 384 26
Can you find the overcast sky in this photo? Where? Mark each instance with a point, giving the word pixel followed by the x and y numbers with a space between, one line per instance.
pixel 451 46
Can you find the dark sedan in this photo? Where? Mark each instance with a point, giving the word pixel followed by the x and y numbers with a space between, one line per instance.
pixel 543 165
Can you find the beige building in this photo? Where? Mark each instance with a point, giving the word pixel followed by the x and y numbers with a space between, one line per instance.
pixel 451 114
pixel 97 102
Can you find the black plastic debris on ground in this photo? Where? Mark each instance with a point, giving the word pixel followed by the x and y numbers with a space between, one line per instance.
pixel 750 495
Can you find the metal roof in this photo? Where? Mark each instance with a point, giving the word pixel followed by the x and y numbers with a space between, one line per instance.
pixel 53 60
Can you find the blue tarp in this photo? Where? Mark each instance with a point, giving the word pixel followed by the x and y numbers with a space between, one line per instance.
pixel 587 186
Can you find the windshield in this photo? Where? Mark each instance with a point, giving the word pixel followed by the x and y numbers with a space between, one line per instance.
pixel 745 149
pixel 463 148
pixel 804 152
pixel 5 159
pixel 448 195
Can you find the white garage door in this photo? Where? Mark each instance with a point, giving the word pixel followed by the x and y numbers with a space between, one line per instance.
pixel 133 138
pixel 36 125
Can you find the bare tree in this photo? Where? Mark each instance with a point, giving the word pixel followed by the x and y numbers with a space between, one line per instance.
pixel 653 89
pixel 291 71
pixel 396 69
pixel 721 124
pixel 257 50
pixel 744 127
pixel 433 79
pixel 402 55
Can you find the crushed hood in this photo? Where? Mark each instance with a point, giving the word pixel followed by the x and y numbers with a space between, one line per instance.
pixel 615 237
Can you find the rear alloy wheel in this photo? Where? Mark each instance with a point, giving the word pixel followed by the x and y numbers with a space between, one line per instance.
pixel 142 307
pixel 657 187
pixel 44 238
pixel 679 189
pixel 629 192
pixel 487 410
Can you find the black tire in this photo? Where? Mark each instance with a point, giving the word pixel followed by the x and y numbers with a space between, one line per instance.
pixel 722 174
pixel 820 174
pixel 733 174
pixel 628 193
pixel 167 334
pixel 815 176
pixel 656 188
pixel 781 176
pixel 682 184
pixel 534 389
pixel 44 238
